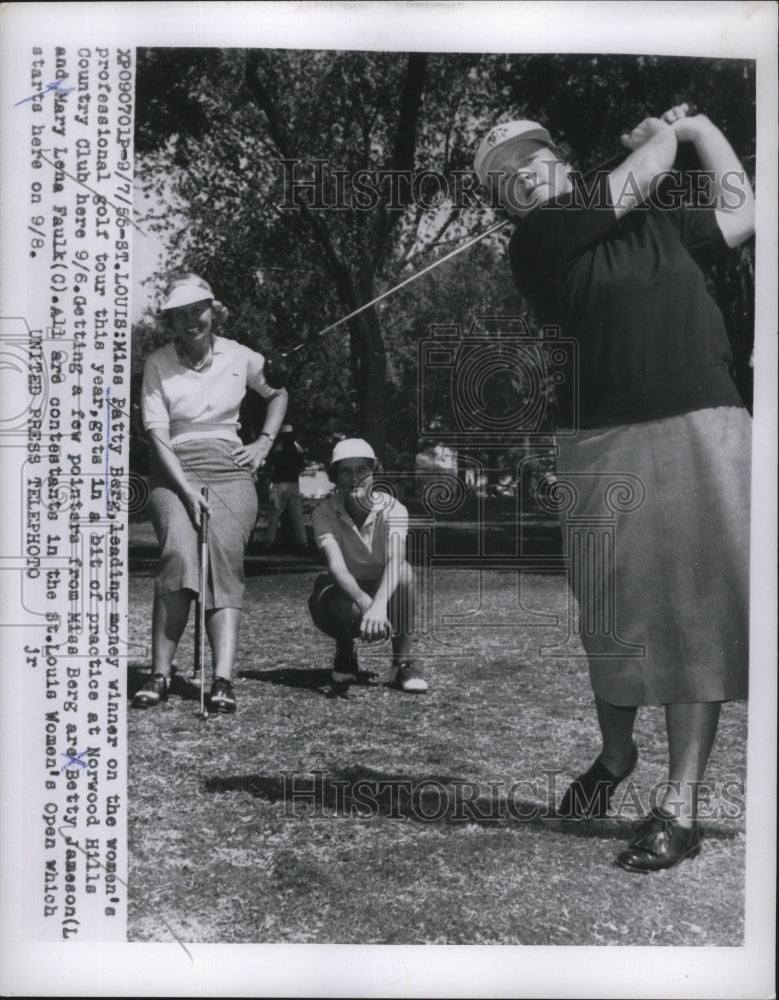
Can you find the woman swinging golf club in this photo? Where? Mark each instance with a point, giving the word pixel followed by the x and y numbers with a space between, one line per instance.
pixel 615 271
pixel 192 390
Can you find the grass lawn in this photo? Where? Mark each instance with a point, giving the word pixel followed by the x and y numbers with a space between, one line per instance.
pixel 217 855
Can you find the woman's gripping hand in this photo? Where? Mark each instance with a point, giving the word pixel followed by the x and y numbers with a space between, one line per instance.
pixel 679 117
pixel 196 505
pixel 643 132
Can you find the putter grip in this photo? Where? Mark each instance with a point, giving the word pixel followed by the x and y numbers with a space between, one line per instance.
pixel 203 514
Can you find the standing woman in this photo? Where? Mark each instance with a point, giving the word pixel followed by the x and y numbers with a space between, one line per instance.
pixel 192 391
pixel 613 268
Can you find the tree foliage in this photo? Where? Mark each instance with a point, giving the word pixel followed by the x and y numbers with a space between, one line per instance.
pixel 214 129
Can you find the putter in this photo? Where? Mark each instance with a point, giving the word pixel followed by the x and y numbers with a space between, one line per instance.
pixel 200 617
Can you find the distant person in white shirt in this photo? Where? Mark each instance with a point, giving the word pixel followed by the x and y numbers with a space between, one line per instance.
pixel 368 591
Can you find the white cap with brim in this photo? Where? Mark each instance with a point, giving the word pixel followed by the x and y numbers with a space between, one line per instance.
pixel 186 295
pixel 352 448
pixel 509 133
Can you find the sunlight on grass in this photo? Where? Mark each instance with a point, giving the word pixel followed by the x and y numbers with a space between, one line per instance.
pixel 383 850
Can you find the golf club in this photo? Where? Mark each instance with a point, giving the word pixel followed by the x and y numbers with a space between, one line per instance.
pixel 276 366
pixel 200 616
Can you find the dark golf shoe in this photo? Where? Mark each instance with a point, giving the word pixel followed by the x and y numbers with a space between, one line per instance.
pixel 589 796
pixel 222 699
pixel 408 677
pixel 660 842
pixel 152 693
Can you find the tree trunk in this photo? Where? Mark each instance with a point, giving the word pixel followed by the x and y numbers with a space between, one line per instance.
pixel 369 371
pixel 368 357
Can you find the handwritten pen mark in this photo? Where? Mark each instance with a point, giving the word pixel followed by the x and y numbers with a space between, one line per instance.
pixel 97 193
pixel 74 843
pixel 55 86
pixel 77 759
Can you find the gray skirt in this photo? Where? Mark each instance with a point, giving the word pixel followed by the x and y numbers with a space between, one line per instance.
pixel 655 520
pixel 233 502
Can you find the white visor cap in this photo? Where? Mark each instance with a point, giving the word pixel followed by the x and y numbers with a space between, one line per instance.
pixel 513 133
pixel 352 448
pixel 186 294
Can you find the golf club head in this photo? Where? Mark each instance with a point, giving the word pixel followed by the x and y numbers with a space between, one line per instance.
pixel 276 370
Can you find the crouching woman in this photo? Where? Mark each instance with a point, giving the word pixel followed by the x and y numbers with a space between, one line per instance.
pixel 368 591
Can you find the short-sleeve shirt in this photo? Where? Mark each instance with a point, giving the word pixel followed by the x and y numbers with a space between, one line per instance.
pixel 365 550
pixel 650 340
pixel 195 404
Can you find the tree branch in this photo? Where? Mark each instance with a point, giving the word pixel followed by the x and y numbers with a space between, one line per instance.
pixel 410 242
pixel 435 244
pixel 264 101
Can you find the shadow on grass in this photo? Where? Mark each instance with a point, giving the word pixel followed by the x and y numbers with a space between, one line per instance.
pixel 364 793
pixel 614 828
pixel 180 686
pixel 309 680
pixel 137 675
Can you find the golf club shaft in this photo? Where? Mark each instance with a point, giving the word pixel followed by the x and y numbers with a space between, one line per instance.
pixel 396 288
pixel 413 277
pixel 692 110
pixel 200 624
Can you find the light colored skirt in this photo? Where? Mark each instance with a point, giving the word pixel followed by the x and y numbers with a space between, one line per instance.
pixel 233 502
pixel 656 534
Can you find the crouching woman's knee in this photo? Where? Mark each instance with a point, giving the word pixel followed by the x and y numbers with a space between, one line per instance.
pixel 334 613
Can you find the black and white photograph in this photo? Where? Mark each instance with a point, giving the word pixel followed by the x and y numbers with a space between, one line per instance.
pixel 419 587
